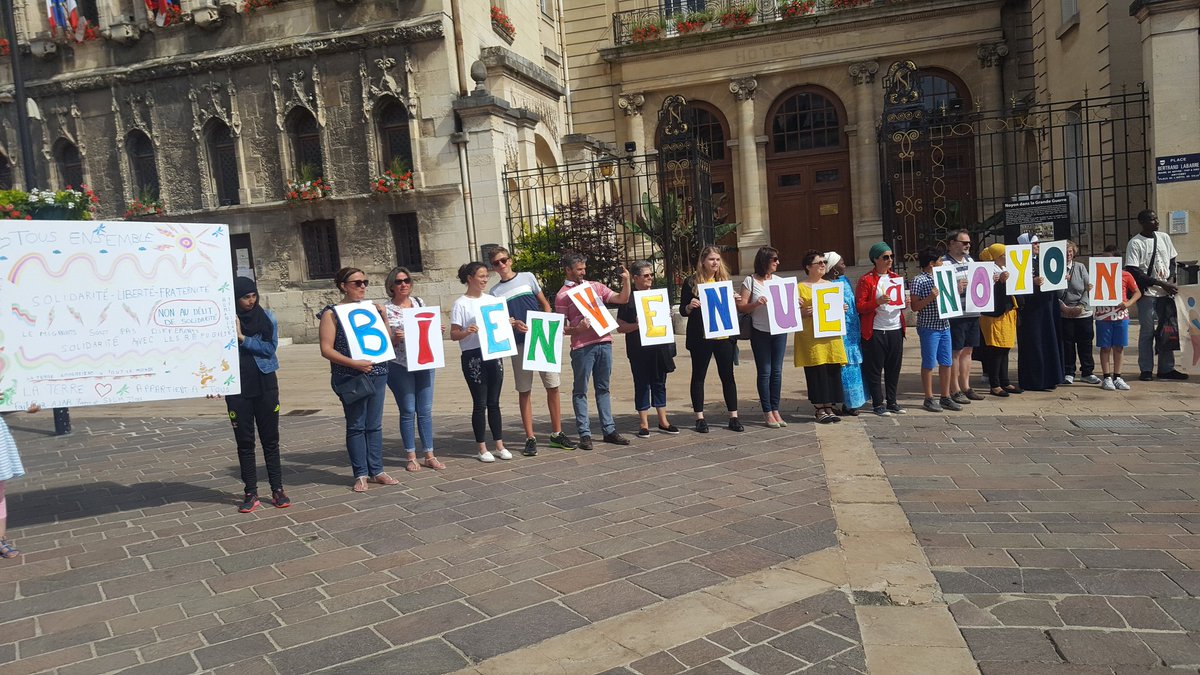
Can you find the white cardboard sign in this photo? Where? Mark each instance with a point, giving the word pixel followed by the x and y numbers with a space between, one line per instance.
pixel 423 347
pixel 783 305
pixel 717 309
pixel 949 303
pixel 1019 262
pixel 981 296
pixel 367 333
pixel 544 342
pixel 1105 275
pixel 654 316
pixel 588 302
pixel 496 338
pixel 893 288
pixel 1053 259
pixel 829 310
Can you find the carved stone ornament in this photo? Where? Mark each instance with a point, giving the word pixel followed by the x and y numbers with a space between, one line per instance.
pixel 214 100
pixel 631 103
pixel 743 88
pixel 863 72
pixel 900 84
pixel 380 81
pixel 991 54
pixel 62 122
pixel 671 117
pixel 302 90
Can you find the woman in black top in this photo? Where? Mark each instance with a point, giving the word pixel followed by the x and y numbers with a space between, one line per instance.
pixel 650 364
pixel 709 267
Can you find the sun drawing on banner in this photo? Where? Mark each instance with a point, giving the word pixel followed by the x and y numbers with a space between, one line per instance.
pixel 183 241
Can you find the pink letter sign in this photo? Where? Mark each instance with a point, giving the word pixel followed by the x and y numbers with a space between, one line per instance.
pixel 783 306
pixel 980 297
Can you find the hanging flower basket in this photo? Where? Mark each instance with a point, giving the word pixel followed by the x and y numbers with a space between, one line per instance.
pixel 738 15
pixel 309 190
pixel 65 204
pixel 140 208
pixel 794 9
pixel 391 181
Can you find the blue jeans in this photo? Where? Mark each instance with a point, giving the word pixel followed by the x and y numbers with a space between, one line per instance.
pixel 648 390
pixel 364 428
pixel 1150 310
pixel 414 396
pixel 592 361
pixel 768 361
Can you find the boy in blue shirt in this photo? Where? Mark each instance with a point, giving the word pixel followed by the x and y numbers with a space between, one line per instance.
pixel 934 332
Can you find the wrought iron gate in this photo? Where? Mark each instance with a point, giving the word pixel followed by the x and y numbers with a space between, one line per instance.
pixel 616 209
pixel 947 166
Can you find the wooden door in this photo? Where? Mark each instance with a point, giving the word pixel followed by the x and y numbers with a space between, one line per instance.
pixel 810 207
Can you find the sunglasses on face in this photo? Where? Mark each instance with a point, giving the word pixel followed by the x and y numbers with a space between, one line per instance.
pixel 818 262
pixel 774 258
pixel 886 256
pixel 500 261
pixel 964 243
pixel 360 283
pixel 405 280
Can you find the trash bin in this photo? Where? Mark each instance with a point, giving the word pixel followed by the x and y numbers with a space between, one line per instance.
pixel 1188 272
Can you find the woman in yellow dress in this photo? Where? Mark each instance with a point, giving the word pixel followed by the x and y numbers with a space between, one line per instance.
pixel 821 358
pixel 998 329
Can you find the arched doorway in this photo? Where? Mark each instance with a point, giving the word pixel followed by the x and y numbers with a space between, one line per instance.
pixel 808 176
pixel 710 128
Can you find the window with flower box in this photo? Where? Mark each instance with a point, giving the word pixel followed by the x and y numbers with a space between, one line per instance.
pixel 407 236
pixel 393 134
pixel 140 149
pixel 306 143
pixel 321 248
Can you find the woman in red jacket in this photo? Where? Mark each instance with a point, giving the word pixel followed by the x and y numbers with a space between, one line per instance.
pixel 882 333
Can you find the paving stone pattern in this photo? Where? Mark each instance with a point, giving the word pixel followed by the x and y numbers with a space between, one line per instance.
pixel 816 635
pixel 1060 550
pixel 136 558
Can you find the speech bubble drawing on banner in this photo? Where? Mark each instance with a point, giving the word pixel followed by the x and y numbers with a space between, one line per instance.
pixel 366 332
pixel 654 316
pixel 1020 269
pixel 717 309
pixel 588 302
pixel 829 310
pixel 496 339
pixel 543 342
pixel 893 288
pixel 981 295
pixel 1105 275
pixel 948 303
pixel 783 305
pixel 423 347
pixel 1054 265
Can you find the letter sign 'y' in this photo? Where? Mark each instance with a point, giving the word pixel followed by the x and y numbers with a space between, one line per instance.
pixel 366 330
pixel 1020 269
pixel 717 309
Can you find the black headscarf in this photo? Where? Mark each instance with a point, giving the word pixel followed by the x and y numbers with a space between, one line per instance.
pixel 254 322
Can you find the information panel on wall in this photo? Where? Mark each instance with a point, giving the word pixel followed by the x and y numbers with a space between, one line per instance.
pixel 101 312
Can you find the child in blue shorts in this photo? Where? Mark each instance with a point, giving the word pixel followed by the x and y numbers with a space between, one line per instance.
pixel 934 332
pixel 1112 331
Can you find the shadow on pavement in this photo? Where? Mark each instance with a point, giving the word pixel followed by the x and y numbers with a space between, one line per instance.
pixel 95 499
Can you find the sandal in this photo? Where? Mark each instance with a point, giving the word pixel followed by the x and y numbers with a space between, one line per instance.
pixel 360 484
pixel 384 479
pixel 412 465
pixel 7 550
pixel 999 391
pixel 434 464
pixel 825 416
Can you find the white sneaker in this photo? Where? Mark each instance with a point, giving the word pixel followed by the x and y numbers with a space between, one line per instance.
pixel 1121 384
pixel 1108 385
pixel 504 453
pixel 1069 379
pixel 486 456
pixel 1090 379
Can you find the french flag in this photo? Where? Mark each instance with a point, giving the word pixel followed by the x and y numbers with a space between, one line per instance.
pixel 64 18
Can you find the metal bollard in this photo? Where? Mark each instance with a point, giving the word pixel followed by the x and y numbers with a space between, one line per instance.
pixel 62 421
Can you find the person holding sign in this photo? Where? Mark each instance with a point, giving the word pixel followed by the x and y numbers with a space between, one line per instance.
pixel 1150 258
pixel 413 390
pixel 855 394
pixel 882 331
pixel 998 329
pixel 648 363
pixel 258 403
pixel 1078 333
pixel 964 330
pixel 523 294
pixel 1112 330
pixel 934 332
pixel 709 267
pixel 822 358
pixel 485 377
pixel 591 352
pixel 359 383
pixel 1039 362
pixel 768 348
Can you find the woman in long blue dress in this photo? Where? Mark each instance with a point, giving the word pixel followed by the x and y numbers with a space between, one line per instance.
pixel 852 382
pixel 1039 360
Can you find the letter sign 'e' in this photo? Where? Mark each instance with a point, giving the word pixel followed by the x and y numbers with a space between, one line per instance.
pixel 495 332
pixel 829 311
pixel 653 308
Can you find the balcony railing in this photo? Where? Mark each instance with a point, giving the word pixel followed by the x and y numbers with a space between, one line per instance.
pixel 680 18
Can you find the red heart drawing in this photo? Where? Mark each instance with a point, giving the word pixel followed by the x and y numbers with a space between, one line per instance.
pixel 103 389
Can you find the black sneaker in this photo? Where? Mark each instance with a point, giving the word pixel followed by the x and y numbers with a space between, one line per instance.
pixel 1173 375
pixel 1146 376
pixel 735 424
pixel 669 429
pixel 701 427
pixel 585 443
pixel 530 447
pixel 895 408
pixel 617 439
pixel 249 503
pixel 561 441
pixel 643 432
pixel 279 499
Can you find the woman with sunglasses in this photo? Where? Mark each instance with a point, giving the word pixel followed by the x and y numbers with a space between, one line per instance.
pixel 821 358
pixel 413 391
pixel 768 349
pixel 364 416
pixel 882 333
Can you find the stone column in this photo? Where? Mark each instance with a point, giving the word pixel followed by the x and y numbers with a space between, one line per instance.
pixel 750 206
pixel 864 159
pixel 1170 41
pixel 635 125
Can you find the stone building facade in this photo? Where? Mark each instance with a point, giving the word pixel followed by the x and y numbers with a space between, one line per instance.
pixel 214 113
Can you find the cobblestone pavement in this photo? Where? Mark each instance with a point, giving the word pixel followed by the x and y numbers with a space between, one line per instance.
pixel 1064 545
